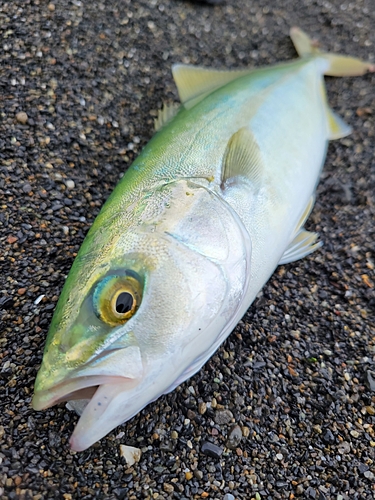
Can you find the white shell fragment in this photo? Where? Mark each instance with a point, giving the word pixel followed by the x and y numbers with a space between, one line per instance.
pixel 39 299
pixel 131 454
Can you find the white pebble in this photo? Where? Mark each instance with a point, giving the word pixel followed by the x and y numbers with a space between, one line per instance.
pixel 131 454
pixel 70 184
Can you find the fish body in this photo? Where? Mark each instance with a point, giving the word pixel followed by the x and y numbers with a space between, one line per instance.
pixel 195 228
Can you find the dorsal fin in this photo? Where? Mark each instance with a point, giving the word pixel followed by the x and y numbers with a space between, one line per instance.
pixel 165 115
pixel 242 157
pixel 194 83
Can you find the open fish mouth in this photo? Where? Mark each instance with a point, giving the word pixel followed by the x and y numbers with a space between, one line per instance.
pixel 118 367
pixel 78 388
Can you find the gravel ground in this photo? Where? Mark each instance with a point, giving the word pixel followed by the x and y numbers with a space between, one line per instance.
pixel 286 407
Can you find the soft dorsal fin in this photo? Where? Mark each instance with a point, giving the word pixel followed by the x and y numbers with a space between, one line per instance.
pixel 194 83
pixel 242 157
pixel 165 115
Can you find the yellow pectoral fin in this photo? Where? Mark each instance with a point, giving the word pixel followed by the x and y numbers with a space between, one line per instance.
pixel 242 157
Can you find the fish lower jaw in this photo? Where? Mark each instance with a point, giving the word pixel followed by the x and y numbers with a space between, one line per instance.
pixel 79 388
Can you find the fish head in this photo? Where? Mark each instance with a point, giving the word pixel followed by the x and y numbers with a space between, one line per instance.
pixel 143 311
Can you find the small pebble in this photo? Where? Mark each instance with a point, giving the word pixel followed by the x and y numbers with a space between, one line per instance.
pixel 168 488
pixel 130 454
pixel 223 417
pixel 202 408
pixel 234 437
pixel 245 432
pixel 70 184
pixel 198 474
pixel 22 117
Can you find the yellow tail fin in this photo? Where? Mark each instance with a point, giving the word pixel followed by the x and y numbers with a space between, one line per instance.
pixel 338 65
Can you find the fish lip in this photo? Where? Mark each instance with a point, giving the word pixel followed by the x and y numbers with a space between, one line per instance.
pixel 125 367
pixel 73 389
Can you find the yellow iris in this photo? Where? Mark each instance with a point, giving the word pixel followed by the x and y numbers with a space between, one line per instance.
pixel 116 298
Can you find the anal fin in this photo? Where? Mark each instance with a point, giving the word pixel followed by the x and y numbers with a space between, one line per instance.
pixel 302 244
pixel 336 126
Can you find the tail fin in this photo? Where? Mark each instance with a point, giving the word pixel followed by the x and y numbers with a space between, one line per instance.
pixel 338 65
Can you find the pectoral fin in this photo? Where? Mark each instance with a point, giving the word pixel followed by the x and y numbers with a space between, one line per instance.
pixel 242 157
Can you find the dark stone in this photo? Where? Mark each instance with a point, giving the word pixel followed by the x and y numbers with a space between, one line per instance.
pixel 310 492
pixel 211 450
pixel 370 380
pixel 328 437
pixel 6 302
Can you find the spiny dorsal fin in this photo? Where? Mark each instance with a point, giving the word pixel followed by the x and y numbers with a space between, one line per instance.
pixel 165 115
pixel 242 157
pixel 194 83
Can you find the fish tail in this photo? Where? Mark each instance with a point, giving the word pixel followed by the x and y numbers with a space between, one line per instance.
pixel 338 65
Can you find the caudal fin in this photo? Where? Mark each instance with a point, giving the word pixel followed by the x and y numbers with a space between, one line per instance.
pixel 338 65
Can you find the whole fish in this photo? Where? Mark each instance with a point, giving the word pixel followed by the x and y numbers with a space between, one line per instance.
pixel 215 201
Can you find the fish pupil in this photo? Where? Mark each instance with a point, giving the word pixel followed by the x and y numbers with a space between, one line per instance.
pixel 124 303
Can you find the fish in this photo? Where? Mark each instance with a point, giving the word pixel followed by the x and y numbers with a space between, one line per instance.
pixel 197 225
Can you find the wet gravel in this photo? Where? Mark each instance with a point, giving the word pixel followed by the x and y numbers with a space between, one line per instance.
pixel 286 407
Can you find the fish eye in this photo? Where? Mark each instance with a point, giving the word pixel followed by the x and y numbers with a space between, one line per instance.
pixel 116 298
